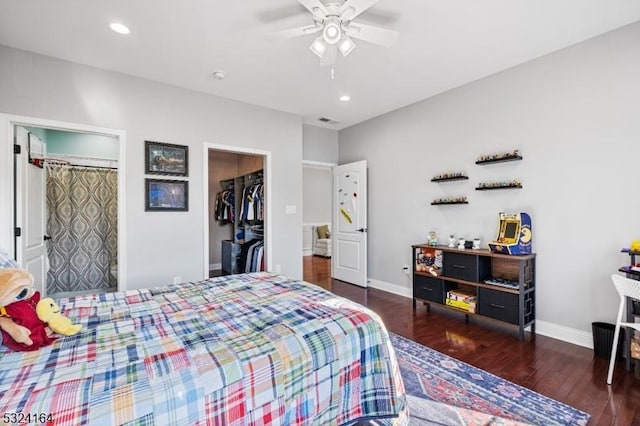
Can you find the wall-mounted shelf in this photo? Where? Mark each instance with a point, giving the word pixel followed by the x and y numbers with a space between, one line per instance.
pixel 441 203
pixel 500 159
pixel 490 186
pixel 445 179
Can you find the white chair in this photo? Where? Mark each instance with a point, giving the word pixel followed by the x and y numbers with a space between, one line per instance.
pixel 627 288
pixel 320 246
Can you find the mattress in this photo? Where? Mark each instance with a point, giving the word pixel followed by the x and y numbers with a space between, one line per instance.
pixel 248 349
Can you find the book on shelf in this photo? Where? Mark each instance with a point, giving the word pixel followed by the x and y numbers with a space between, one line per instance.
pixel 462 295
pixel 465 306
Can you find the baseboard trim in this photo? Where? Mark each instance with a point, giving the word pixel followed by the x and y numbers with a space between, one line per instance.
pixel 544 328
pixel 391 288
pixel 307 252
pixel 215 266
pixel 567 334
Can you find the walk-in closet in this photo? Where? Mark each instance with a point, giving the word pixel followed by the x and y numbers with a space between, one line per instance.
pixel 237 213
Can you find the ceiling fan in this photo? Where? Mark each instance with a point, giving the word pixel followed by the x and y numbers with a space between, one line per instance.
pixel 334 20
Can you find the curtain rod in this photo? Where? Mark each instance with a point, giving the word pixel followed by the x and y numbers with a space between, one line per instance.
pixel 75 166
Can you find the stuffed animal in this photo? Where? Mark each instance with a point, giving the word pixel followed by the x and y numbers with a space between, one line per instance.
pixel 21 328
pixel 49 312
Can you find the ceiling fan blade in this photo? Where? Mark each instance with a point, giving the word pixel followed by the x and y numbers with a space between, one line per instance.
pixel 296 32
pixel 372 34
pixel 329 57
pixel 313 4
pixel 352 8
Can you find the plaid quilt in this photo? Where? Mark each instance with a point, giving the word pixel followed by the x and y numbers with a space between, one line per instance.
pixel 249 349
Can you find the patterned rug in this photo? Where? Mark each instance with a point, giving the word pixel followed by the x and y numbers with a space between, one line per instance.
pixel 444 391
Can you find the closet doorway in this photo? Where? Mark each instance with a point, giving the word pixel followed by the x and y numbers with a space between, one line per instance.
pixel 68 202
pixel 237 212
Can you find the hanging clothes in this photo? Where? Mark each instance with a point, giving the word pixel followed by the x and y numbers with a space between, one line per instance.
pixel 252 256
pixel 225 206
pixel 253 203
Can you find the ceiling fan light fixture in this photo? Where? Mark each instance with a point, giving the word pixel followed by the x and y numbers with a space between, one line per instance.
pixel 332 32
pixel 318 47
pixel 346 46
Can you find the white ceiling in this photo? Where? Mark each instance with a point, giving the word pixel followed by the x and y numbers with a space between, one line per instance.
pixel 443 44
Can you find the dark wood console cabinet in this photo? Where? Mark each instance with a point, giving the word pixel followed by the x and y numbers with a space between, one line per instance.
pixel 468 270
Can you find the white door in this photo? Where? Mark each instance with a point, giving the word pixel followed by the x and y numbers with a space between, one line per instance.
pixel 349 259
pixel 31 208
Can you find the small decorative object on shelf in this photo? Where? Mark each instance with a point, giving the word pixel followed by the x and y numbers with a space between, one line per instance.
pixel 449 176
pixel 512 184
pixel 452 241
pixel 633 269
pixel 450 200
pixel 433 238
pixel 496 158
pixel 476 243
pixel 461 242
pixel 514 236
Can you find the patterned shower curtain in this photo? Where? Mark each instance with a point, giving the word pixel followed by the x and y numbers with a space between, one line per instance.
pixel 82 221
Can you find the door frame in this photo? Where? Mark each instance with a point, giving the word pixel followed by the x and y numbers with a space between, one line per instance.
pixel 268 243
pixel 7 211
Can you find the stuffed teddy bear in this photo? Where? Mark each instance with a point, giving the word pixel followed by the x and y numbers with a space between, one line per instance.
pixel 21 328
pixel 49 311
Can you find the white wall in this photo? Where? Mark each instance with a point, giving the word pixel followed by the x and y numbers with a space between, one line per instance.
pixel 574 117
pixel 162 245
pixel 82 144
pixel 316 192
pixel 319 144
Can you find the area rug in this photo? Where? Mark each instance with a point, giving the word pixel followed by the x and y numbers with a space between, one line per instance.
pixel 444 391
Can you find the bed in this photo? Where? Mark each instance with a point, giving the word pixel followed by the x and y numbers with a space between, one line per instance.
pixel 244 349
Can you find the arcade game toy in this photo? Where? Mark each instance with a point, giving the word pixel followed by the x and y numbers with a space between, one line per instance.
pixel 514 236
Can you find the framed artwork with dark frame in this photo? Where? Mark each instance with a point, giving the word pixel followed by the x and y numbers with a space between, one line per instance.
pixel 166 159
pixel 163 195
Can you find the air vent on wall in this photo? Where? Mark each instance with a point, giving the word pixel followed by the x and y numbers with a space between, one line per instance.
pixel 328 120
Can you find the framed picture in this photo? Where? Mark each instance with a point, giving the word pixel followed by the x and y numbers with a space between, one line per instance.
pixel 166 159
pixel 166 195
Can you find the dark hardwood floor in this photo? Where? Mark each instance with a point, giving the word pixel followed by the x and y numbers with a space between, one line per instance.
pixel 559 370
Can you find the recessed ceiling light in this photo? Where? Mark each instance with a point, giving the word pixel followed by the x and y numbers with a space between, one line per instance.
pixel 219 75
pixel 119 28
pixel 345 98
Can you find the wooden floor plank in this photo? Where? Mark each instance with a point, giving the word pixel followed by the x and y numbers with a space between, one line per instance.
pixel 557 369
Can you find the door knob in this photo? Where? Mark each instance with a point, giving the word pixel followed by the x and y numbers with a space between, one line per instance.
pixel 362 230
pixel 47 237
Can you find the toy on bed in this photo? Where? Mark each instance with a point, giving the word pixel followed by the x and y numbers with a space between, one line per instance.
pixel 21 328
pixel 49 312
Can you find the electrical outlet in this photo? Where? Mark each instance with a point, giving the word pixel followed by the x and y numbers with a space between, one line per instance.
pixel 406 269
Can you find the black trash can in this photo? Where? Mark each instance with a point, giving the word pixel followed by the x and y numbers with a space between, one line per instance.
pixel 603 339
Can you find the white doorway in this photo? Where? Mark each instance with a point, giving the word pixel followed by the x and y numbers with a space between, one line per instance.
pixel 14 220
pixel 317 202
pixel 232 170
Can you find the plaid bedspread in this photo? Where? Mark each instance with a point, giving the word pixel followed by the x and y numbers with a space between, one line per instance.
pixel 238 350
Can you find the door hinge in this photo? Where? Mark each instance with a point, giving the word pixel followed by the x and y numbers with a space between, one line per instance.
pixel 17 149
pixel 18 232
